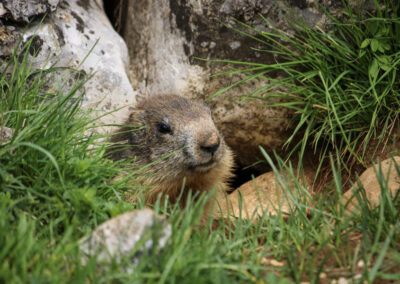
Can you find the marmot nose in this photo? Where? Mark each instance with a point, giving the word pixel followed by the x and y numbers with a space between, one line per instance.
pixel 211 145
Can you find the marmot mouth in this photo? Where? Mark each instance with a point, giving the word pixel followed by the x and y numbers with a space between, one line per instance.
pixel 203 166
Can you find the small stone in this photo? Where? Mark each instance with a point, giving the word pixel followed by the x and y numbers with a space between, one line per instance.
pixel 5 135
pixel 360 264
pixel 342 280
pixel 234 44
pixel 264 261
pixel 118 237
pixel 212 44
pixel 323 275
pixel 9 40
pixel 274 262
pixel 3 11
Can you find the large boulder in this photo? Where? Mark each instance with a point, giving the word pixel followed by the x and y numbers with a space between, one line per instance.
pixel 76 34
pixel 166 38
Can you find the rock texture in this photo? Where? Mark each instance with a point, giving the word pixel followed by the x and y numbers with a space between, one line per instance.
pixel 6 134
pixel 118 237
pixel 266 195
pixel 24 11
pixel 166 38
pixel 78 35
pixel 372 184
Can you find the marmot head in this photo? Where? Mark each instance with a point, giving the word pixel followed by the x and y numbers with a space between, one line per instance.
pixel 175 133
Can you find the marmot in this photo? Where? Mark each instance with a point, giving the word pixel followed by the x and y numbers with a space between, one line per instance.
pixel 177 139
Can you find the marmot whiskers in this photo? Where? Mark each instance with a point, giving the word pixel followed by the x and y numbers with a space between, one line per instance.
pixel 179 140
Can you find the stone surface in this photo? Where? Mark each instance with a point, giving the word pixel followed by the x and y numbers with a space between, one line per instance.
pixel 3 10
pixel 9 38
pixel 167 38
pixel 79 35
pixel 370 182
pixel 117 238
pixel 24 11
pixel 246 125
pixel 5 135
pixel 264 195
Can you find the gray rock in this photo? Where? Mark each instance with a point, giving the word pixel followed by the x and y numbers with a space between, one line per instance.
pixel 5 135
pixel 118 237
pixel 79 35
pixel 3 10
pixel 24 11
pixel 9 38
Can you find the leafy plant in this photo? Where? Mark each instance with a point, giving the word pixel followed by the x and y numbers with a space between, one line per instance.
pixel 342 81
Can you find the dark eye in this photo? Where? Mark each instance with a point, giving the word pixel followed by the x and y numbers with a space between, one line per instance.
pixel 163 128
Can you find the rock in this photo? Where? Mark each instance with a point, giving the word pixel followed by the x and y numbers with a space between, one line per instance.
pixel 370 182
pixel 166 38
pixel 264 195
pixel 246 126
pixel 117 238
pixel 79 35
pixel 5 135
pixel 24 11
pixel 9 38
pixel 3 11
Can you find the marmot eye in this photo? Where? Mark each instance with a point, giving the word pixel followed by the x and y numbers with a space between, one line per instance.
pixel 163 128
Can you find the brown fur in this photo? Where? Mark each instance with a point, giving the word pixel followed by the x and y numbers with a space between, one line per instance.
pixel 182 153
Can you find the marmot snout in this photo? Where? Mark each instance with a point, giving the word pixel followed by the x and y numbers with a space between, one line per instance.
pixel 179 139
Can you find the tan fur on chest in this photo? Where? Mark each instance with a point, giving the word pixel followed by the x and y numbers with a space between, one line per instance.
pixel 197 182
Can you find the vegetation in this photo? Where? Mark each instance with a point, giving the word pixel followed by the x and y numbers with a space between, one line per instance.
pixel 56 187
pixel 342 81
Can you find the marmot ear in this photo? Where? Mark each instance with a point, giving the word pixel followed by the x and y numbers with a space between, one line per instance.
pixel 137 123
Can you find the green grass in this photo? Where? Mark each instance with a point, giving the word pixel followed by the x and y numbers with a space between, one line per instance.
pixel 55 188
pixel 342 81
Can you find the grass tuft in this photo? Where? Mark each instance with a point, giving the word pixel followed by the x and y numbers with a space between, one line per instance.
pixel 341 81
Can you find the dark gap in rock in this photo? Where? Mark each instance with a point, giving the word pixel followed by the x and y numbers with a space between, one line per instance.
pixel 116 13
pixel 302 4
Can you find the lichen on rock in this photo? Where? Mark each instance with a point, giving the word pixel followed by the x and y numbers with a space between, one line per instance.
pixel 77 34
